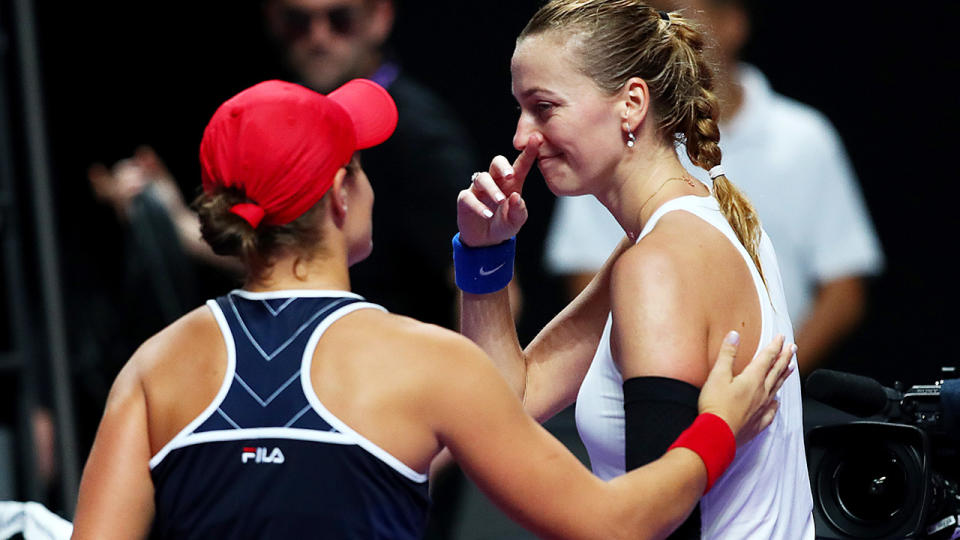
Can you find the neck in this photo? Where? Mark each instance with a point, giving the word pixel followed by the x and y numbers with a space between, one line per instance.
pixel 652 180
pixel 370 64
pixel 291 272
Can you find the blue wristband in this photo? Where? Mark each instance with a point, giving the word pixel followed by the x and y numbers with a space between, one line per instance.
pixel 481 270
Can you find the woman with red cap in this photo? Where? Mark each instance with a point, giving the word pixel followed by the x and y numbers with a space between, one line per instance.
pixel 292 408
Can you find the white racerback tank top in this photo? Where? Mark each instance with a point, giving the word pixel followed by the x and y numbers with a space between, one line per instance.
pixel 765 493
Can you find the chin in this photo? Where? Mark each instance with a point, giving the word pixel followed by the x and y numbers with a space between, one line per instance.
pixel 562 186
pixel 316 74
pixel 560 181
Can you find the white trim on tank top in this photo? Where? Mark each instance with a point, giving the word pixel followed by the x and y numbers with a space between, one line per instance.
pixel 289 293
pixel 182 438
pixel 678 204
pixel 186 436
pixel 377 452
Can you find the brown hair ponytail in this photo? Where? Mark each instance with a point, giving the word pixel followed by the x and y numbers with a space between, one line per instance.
pixel 230 235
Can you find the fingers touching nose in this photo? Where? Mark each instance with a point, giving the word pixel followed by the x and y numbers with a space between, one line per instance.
pixel 525 129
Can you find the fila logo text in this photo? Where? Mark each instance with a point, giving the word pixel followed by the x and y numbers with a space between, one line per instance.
pixel 261 455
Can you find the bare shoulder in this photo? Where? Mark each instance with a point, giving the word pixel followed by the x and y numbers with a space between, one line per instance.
pixel 180 369
pixel 652 266
pixel 650 285
pixel 418 359
pixel 154 357
pixel 415 341
pixel 440 374
pixel 192 335
pixel 671 254
pixel 659 322
pixel 429 369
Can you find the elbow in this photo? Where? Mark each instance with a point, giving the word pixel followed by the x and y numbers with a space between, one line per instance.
pixel 847 298
pixel 854 300
pixel 615 520
pixel 858 310
pixel 523 379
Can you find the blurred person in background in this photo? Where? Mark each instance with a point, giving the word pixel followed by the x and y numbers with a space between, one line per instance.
pixel 327 42
pixel 789 160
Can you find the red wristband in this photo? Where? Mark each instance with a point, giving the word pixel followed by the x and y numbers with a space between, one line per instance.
pixel 712 439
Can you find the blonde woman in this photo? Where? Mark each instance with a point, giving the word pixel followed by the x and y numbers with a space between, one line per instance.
pixel 606 89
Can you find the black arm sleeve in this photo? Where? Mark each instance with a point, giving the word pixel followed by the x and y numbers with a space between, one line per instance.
pixel 656 410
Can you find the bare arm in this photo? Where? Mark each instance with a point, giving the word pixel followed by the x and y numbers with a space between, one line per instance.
pixel 116 491
pixel 547 374
pixel 540 484
pixel 660 324
pixel 837 309
pixel 659 328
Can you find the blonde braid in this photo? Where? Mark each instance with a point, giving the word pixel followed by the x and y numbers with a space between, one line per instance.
pixel 701 135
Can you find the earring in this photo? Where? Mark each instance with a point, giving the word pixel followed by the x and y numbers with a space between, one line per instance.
pixel 631 139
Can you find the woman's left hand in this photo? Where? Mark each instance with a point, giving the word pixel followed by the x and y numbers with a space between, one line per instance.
pixel 492 210
pixel 746 402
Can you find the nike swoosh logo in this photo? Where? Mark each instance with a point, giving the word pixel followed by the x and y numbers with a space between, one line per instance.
pixel 488 272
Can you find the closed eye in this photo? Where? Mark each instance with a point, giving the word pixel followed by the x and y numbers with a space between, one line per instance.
pixel 543 107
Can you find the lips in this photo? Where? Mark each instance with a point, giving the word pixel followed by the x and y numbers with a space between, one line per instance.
pixel 543 159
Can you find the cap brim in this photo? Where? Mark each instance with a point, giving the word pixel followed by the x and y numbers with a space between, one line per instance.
pixel 371 108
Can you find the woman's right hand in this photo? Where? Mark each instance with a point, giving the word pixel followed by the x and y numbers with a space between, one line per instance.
pixel 492 210
pixel 746 402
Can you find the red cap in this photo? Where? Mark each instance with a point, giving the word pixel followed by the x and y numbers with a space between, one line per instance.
pixel 282 143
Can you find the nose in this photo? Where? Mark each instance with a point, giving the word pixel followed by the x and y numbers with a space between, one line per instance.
pixel 320 30
pixel 525 128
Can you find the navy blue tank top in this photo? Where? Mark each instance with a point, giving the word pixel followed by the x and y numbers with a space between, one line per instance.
pixel 266 459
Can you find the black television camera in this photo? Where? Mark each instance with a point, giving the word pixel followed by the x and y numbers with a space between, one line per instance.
pixel 893 474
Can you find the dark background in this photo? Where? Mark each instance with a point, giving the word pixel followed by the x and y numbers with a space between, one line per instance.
pixel 121 74
pixel 117 75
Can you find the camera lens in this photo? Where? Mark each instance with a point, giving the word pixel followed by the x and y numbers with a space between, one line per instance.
pixel 870 480
pixel 871 488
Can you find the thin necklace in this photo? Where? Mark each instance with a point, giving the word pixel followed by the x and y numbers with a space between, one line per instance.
pixel 686 179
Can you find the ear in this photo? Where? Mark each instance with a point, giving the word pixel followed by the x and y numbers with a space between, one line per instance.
pixel 635 103
pixel 338 196
pixel 381 20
